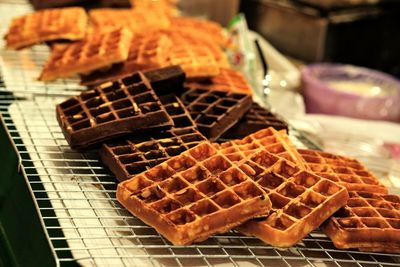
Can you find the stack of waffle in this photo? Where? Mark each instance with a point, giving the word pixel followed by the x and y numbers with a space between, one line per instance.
pixel 155 132
pixel 151 36
pixel 155 125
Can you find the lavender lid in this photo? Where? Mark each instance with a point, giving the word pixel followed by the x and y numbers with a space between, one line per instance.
pixel 351 91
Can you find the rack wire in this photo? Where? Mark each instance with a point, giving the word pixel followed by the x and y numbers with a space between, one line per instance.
pixel 20 69
pixel 75 194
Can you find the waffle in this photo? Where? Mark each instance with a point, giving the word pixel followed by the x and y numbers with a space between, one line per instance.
pixel 47 25
pixel 343 170
pixel 168 80
pixel 166 6
pixel 369 222
pixel 112 110
pixel 133 155
pixel 227 80
pixel 256 119
pixel 197 61
pixel 215 111
pixel 145 53
pixel 41 4
pixel 301 200
pixel 193 196
pixel 115 3
pixel 204 29
pixel 137 21
pixel 269 139
pixel 95 52
pixel 192 38
pixel 106 19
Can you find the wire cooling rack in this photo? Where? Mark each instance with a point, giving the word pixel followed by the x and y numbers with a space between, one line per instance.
pixel 99 232
pixel 75 194
pixel 20 69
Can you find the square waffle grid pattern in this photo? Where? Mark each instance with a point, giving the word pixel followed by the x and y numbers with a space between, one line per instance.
pixel 47 25
pixel 209 30
pixel 20 69
pixel 301 201
pixel 145 53
pixel 273 141
pixel 193 196
pixel 197 61
pixel 257 118
pixel 99 232
pixel 227 80
pixel 137 21
pixel 128 157
pixel 215 111
pixel 112 109
pixel 369 222
pixel 192 38
pixel 94 52
pixel 343 170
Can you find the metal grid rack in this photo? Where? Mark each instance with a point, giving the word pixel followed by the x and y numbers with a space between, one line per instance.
pixel 75 194
pixel 20 69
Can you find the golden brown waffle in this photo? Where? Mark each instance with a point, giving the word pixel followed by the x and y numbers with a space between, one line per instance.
pixel 193 196
pixel 227 80
pixel 301 200
pixel 192 38
pixel 369 222
pixel 106 19
pixel 146 52
pixel 137 21
pixel 344 170
pixel 166 6
pixel 47 25
pixel 204 29
pixel 95 52
pixel 269 139
pixel 197 61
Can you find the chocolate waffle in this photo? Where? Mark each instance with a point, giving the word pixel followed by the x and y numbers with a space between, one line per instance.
pixel 133 155
pixel 137 21
pixel 227 80
pixel 111 110
pixel 41 4
pixel 168 80
pixel 145 53
pixel 343 170
pixel 95 52
pixel 301 200
pixel 215 111
pixel 193 196
pixel 269 139
pixel 257 118
pixel 115 3
pixel 369 222
pixel 164 81
pixel 197 61
pixel 47 25
pixel 204 29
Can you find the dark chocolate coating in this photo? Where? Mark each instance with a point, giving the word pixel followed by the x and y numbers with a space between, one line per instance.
pixel 113 109
pixel 131 155
pixel 257 118
pixel 215 111
pixel 168 80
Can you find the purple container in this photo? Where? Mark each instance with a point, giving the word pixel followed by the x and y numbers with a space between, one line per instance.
pixel 351 91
